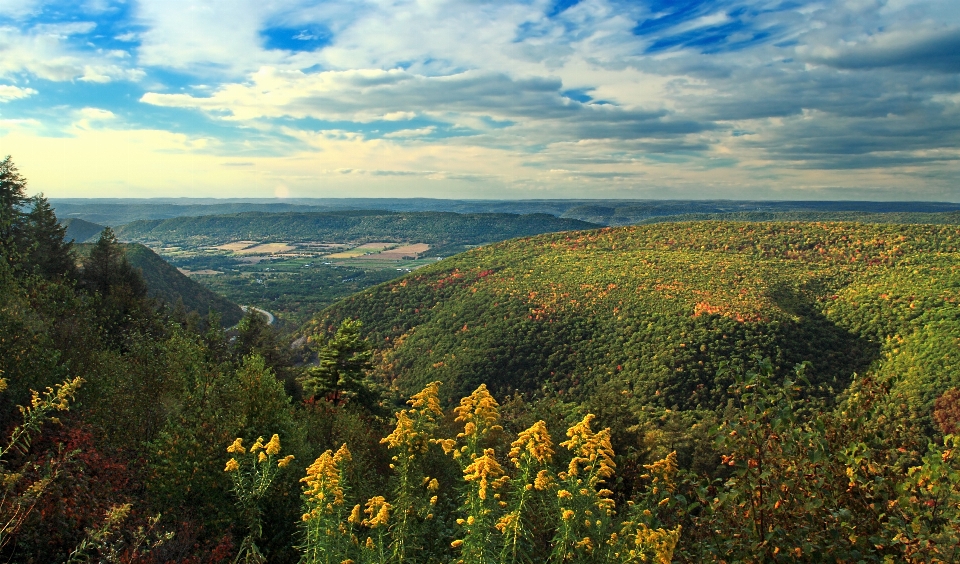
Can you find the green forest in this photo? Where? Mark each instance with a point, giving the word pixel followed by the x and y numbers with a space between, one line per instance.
pixel 712 391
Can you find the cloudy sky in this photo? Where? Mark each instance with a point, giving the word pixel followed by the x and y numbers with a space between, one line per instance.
pixel 773 99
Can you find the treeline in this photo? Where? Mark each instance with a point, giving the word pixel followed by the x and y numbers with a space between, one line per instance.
pixel 450 232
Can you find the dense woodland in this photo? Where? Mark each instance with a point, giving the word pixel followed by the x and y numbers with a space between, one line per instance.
pixel 694 392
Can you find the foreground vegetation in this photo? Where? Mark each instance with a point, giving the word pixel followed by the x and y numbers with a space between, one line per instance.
pixel 153 436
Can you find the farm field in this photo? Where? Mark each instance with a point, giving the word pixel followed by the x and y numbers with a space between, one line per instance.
pixel 293 280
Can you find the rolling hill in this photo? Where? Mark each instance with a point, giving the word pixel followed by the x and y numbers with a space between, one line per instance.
pixel 167 283
pixel 81 231
pixel 661 317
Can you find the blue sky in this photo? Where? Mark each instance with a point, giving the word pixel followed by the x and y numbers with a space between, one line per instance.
pixel 855 99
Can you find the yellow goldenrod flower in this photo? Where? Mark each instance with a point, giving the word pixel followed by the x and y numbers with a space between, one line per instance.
pixel 355 517
pixel 457 543
pixel 262 458
pixel 403 433
pixel 378 512
pixel 508 521
pixel 323 477
pixel 428 400
pixel 273 447
pixel 534 441
pixel 567 514
pixel 479 413
pixel 236 447
pixel 663 471
pixel 543 480
pixel 257 445
pixel 433 500
pixel 591 450
pixel 433 485
pixel 564 494
pixel 482 469
pixel 285 460
pixel 232 465
pixel 369 543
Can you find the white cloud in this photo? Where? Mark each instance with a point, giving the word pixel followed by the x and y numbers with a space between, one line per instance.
pixel 8 92
pixel 407 133
pixel 45 52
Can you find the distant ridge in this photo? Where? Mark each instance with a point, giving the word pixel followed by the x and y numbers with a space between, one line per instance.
pixel 114 212
pixel 81 231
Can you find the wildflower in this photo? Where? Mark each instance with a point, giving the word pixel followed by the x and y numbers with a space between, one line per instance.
pixel 273 447
pixel 457 543
pixel 282 463
pixel 479 413
pixel 591 450
pixel 257 445
pixel 663 471
pixel 483 469
pixel 507 521
pixel 323 477
pixel 232 465
pixel 564 494
pixel 262 458
pixel 355 517
pixel 567 514
pixel 403 433
pixel 543 480
pixel 433 500
pixel 369 543
pixel 433 485
pixel 378 512
pixel 236 447
pixel 428 400
pixel 535 441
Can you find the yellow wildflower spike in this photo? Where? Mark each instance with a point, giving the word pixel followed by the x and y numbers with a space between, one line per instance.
pixel 273 447
pixel 232 465
pixel 257 445
pixel 535 442
pixel 236 447
pixel 482 470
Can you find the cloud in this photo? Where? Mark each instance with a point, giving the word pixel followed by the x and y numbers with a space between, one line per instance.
pixel 46 52
pixel 8 92
pixel 913 49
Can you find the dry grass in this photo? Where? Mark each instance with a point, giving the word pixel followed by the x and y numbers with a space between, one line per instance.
pixel 236 246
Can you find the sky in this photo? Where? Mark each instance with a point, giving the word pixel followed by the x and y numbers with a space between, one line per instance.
pixel 691 99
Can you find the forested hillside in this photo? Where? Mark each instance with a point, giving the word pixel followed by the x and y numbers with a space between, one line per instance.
pixel 619 395
pixel 445 231
pixel 661 317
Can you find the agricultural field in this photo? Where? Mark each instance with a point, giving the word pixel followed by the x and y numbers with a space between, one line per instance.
pixel 294 279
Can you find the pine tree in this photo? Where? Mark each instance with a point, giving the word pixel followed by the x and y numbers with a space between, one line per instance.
pixel 341 367
pixel 51 256
pixel 106 271
pixel 12 199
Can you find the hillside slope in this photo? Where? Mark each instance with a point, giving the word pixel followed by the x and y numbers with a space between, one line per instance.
pixel 439 229
pixel 655 317
pixel 167 283
pixel 81 231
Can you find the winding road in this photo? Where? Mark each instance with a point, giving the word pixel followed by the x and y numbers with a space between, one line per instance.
pixel 263 312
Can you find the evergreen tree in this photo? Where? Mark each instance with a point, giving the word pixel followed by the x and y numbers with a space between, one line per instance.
pixel 12 199
pixel 51 256
pixel 342 363
pixel 106 271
